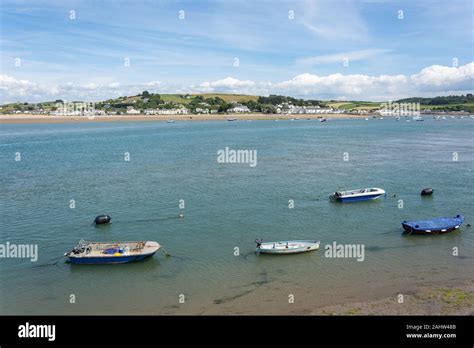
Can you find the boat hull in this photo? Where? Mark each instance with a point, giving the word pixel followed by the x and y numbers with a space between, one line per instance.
pixel 106 260
pixel 358 198
pixel 433 226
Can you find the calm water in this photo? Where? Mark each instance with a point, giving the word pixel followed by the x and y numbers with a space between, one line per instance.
pixel 228 206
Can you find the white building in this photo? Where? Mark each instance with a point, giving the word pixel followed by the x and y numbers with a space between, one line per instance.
pixel 286 108
pixel 132 111
pixel 174 111
pixel 239 109
pixel 150 111
pixel 202 111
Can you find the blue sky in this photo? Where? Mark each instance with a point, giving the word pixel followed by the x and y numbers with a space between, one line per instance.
pixel 287 47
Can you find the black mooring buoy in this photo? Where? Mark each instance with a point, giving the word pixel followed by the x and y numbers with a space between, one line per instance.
pixel 102 219
pixel 427 191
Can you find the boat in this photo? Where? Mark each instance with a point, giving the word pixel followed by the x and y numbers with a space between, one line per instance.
pixel 170 121
pixel 111 252
pixel 358 195
pixel 323 120
pixel 286 247
pixel 433 226
pixel 418 118
pixel 232 119
pixel 427 191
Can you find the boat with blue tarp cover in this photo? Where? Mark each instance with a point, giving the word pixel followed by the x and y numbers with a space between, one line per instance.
pixel 111 252
pixel 433 226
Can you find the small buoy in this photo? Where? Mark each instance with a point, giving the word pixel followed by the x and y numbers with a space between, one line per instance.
pixel 181 216
pixel 427 191
pixel 102 219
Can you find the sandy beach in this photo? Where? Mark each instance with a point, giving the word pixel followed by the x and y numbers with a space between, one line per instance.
pixel 28 118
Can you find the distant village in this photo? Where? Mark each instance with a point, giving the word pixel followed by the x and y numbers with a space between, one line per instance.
pixel 154 104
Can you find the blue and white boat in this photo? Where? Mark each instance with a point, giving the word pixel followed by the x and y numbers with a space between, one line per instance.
pixel 358 195
pixel 433 226
pixel 111 252
pixel 286 247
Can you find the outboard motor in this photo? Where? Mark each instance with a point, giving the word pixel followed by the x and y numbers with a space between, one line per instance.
pixel 427 191
pixel 259 242
pixel 102 219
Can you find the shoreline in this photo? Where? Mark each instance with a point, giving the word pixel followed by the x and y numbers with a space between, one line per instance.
pixel 433 299
pixel 426 298
pixel 27 118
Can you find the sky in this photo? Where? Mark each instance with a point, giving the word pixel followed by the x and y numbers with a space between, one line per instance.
pixel 331 49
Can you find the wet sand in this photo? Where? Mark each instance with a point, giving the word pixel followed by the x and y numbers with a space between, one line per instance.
pixel 435 298
pixel 425 300
pixel 27 118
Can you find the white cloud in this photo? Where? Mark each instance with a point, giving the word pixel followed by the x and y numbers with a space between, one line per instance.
pixel 442 77
pixel 229 84
pixel 339 57
pixel 334 20
pixel 430 81
pixel 439 80
pixel 153 83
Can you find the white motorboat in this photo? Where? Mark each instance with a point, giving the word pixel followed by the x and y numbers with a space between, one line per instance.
pixel 358 195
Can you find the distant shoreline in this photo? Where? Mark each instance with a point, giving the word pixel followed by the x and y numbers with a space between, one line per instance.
pixel 28 118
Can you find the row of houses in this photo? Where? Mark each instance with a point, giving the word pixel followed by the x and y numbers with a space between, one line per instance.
pixel 286 108
pixel 237 108
pixel 174 111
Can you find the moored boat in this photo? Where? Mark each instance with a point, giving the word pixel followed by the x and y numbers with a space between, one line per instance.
pixel 287 247
pixel 111 252
pixel 433 226
pixel 358 195
pixel 418 118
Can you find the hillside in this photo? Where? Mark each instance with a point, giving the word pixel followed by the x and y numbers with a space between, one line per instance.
pixel 221 103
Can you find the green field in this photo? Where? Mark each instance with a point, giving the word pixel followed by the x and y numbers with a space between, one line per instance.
pixel 357 105
pixel 229 98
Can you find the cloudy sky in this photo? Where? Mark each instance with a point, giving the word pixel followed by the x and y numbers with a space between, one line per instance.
pixel 357 50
